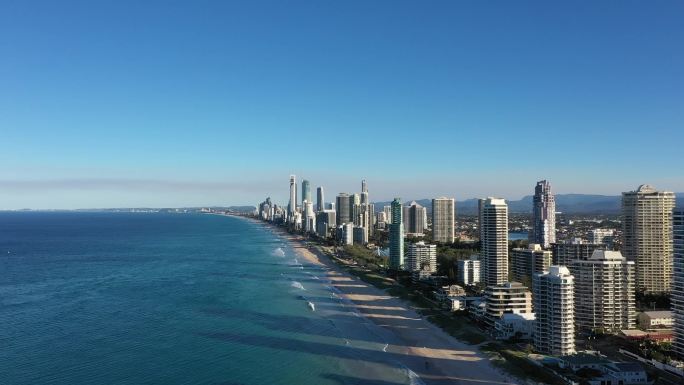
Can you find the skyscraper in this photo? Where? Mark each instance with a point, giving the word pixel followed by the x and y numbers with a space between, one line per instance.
pixel 647 237
pixel 306 191
pixel 544 220
pixel 415 217
pixel 292 206
pixel 343 209
pixel 494 240
pixel 396 236
pixel 308 217
pixel 554 332
pixel 678 285
pixel 320 199
pixel 388 214
pixel 364 192
pixel 443 215
pixel 604 292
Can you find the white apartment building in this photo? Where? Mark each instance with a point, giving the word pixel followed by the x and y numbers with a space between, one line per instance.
pixel 604 292
pixel 469 271
pixel 493 216
pixel 554 332
pixel 421 256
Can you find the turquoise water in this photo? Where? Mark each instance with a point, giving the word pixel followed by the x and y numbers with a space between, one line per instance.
pixel 131 298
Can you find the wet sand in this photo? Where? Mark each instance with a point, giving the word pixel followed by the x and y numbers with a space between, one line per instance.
pixel 435 356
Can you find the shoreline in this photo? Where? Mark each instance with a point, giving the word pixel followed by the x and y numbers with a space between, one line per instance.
pixel 427 350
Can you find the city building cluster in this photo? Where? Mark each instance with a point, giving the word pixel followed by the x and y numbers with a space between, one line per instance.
pixel 547 291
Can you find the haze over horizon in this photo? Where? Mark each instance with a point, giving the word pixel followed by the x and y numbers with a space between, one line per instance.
pixel 170 105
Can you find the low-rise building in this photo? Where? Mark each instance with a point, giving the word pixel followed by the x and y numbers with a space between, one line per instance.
pixel 514 325
pixel 469 271
pixel 607 372
pixel 661 319
pixel 511 297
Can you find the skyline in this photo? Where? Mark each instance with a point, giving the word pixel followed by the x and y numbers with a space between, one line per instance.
pixel 171 105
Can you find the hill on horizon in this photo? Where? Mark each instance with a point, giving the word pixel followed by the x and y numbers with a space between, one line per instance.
pixel 565 203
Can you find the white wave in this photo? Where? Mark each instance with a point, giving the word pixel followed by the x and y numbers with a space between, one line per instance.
pixel 278 252
pixel 414 379
pixel 385 348
pixel 297 285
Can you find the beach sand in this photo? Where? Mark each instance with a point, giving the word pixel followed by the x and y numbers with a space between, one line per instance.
pixel 435 356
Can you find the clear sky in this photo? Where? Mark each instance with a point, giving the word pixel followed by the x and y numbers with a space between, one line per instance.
pixel 171 103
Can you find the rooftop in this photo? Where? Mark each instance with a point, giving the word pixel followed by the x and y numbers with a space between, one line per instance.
pixel 659 314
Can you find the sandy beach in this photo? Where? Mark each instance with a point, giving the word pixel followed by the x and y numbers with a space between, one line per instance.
pixel 435 356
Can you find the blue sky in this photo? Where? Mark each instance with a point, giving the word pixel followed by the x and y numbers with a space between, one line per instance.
pixel 169 103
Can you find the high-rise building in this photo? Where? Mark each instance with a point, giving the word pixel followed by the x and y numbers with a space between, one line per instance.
pixel 292 206
pixel 554 332
pixel 388 214
pixel 544 216
pixel 306 192
pixel 647 237
pixel 508 297
pixel 343 209
pixel 415 219
pixel 396 236
pixel 345 234
pixel 602 236
pixel 529 261
pixel 566 253
pixel 325 220
pixel 494 240
pixel 678 285
pixel 309 217
pixel 320 199
pixel 443 216
pixel 360 235
pixel 364 192
pixel 370 212
pixel 604 292
pixel 469 271
pixel 421 256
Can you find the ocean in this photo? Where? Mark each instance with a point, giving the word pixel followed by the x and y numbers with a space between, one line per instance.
pixel 130 298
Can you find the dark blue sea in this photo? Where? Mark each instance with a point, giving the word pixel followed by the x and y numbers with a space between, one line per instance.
pixel 131 298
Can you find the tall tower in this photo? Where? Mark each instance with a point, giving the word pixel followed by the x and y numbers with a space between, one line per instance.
pixel 604 292
pixel 544 220
pixel 292 206
pixel 415 218
pixel 396 237
pixel 443 215
pixel 343 209
pixel 306 192
pixel 554 330
pixel 364 192
pixel 494 240
pixel 320 199
pixel 647 237
pixel 678 285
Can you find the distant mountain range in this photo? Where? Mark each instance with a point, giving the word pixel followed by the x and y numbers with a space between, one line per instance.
pixel 566 203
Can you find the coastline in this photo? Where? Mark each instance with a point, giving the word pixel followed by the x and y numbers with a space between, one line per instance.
pixel 433 355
